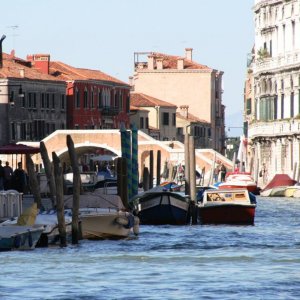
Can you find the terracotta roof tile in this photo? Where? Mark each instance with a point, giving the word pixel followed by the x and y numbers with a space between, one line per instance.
pixel 190 118
pixel 170 62
pixel 67 72
pixel 12 67
pixel 139 99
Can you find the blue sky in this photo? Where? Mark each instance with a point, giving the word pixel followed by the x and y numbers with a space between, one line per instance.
pixel 104 34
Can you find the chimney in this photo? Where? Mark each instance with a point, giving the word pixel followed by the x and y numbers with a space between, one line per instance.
pixel 184 111
pixel 1 54
pixel 180 63
pixel 159 63
pixel 189 53
pixel 40 61
pixel 22 73
pixel 150 62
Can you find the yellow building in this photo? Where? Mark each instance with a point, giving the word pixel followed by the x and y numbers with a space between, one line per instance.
pixel 182 81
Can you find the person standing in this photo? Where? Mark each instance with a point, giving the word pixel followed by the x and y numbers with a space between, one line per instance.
pixel 19 179
pixel 1 176
pixel 223 171
pixel 8 172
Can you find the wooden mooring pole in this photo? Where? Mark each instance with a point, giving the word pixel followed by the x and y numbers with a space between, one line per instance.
pixel 59 182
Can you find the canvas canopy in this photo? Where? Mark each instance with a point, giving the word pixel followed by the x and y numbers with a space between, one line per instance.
pixel 18 149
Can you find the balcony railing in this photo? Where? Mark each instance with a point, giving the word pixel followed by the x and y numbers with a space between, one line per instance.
pixel 277 62
pixel 274 128
pixel 109 110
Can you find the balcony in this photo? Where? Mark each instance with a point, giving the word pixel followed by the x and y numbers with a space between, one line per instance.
pixel 274 128
pixel 273 63
pixel 109 110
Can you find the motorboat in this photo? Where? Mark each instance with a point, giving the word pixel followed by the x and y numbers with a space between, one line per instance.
pixel 103 216
pixel 227 206
pixel 48 221
pixel 160 206
pixel 18 237
pixel 239 180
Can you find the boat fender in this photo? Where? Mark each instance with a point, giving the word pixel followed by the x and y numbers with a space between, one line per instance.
pixel 17 241
pixel 122 220
pixel 136 226
pixel 130 222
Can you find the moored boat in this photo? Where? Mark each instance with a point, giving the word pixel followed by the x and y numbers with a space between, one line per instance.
pixel 104 216
pixel 15 237
pixel 227 206
pixel 159 207
pixel 240 180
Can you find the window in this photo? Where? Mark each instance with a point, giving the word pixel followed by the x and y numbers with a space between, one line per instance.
pixel 53 101
pixel 248 106
pixel 174 119
pixel 85 99
pixel 13 131
pixel 92 99
pixel 62 102
pixel 292 104
pixel 77 99
pixel 100 102
pixel 127 104
pixel 141 122
pixel 165 118
pixel 282 106
pixel 42 100
pixel 47 101
pixel 275 108
pixel 24 100
pixel 147 123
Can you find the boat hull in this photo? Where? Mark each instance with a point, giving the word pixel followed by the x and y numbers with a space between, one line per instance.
pixel 19 237
pixel 163 208
pixel 109 225
pixel 227 214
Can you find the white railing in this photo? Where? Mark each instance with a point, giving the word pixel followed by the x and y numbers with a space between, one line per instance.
pixel 277 62
pixel 275 128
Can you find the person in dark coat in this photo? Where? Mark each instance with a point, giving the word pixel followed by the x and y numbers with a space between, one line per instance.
pixel 19 179
pixel 8 172
pixel 1 176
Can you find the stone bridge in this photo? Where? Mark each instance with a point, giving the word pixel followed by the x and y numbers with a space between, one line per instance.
pixel 109 140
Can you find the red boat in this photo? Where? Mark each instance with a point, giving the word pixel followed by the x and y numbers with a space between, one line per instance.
pixel 240 180
pixel 221 206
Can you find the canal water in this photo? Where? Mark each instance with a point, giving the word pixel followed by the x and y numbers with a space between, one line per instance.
pixel 169 262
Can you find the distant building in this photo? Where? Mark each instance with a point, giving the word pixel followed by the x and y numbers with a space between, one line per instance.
pixel 32 104
pixel 162 116
pixel 188 123
pixel 274 121
pixel 95 100
pixel 180 80
pixel 140 118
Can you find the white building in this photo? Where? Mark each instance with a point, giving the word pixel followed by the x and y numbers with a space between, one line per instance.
pixel 274 124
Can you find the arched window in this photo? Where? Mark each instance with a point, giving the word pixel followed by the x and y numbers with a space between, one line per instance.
pixel 85 98
pixel 100 103
pixel 77 99
pixel 92 98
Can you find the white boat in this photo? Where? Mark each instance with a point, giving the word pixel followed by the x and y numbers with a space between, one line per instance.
pixel 104 217
pixel 47 220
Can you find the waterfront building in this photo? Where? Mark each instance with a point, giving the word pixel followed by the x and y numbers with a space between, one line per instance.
pixel 274 115
pixel 95 100
pixel 200 129
pixel 32 104
pixel 180 80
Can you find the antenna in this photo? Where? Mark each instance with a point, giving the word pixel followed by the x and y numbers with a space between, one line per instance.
pixel 14 28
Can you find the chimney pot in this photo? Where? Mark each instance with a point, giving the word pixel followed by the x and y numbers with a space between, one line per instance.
pixel 159 63
pixel 180 63
pixel 189 53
